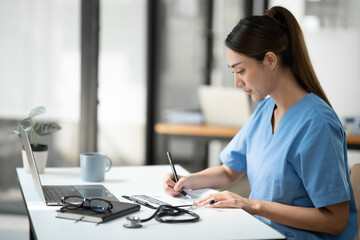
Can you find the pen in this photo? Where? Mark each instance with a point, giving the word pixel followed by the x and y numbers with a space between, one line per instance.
pixel 182 192
pixel 139 201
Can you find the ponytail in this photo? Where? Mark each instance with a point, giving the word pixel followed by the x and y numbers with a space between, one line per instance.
pixel 301 64
pixel 278 32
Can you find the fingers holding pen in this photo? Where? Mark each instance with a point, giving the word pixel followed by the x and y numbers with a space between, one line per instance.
pixel 181 184
pixel 169 184
pixel 169 180
pixel 171 187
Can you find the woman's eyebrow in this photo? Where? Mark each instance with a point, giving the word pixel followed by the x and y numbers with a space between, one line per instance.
pixel 234 65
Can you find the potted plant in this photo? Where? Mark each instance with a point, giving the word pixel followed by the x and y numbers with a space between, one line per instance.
pixel 35 130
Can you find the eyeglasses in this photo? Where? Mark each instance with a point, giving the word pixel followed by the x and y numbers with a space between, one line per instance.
pixel 96 204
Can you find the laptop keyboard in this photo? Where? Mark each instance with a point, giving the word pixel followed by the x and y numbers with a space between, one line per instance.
pixel 55 193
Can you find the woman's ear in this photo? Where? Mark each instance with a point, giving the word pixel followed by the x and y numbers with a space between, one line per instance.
pixel 270 61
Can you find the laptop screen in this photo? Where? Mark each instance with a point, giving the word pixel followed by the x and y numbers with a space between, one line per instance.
pixel 32 164
pixel 224 106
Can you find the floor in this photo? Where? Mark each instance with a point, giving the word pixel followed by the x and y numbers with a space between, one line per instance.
pixel 14 226
pixel 14 223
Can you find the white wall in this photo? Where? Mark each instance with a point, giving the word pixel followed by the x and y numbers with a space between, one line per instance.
pixel 335 54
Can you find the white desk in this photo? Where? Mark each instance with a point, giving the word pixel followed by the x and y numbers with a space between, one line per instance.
pixel 213 224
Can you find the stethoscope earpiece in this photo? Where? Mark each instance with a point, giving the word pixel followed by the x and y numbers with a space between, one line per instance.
pixel 133 222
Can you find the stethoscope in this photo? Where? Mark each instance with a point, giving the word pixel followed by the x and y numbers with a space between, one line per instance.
pixel 161 212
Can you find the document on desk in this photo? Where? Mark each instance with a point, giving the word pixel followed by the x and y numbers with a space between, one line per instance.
pixel 162 198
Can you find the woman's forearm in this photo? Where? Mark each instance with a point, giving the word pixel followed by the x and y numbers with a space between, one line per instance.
pixel 215 177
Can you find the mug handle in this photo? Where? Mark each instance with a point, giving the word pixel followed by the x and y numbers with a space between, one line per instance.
pixel 110 164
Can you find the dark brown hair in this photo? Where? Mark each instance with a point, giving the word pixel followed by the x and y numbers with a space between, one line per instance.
pixel 278 32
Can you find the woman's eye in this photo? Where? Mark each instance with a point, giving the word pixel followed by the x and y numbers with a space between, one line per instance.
pixel 239 72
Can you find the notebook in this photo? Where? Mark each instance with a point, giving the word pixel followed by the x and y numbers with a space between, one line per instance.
pixel 85 214
pixel 224 106
pixel 52 194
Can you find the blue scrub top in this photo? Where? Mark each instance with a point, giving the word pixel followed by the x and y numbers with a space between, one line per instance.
pixel 304 163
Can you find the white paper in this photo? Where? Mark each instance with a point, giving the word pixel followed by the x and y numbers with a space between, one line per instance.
pixel 192 197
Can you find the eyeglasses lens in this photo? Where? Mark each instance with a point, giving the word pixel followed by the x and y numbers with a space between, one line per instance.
pixel 73 202
pixel 99 205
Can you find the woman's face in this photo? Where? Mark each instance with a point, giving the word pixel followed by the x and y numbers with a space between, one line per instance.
pixel 250 75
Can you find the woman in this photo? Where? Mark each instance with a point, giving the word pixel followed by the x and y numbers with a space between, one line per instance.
pixel 293 147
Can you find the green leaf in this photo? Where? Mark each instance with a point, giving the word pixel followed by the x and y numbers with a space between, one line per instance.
pixel 14 131
pixel 43 129
pixel 37 111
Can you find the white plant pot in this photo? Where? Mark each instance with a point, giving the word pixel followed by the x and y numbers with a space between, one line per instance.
pixel 40 159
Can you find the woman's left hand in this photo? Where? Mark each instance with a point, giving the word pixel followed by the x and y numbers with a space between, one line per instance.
pixel 226 199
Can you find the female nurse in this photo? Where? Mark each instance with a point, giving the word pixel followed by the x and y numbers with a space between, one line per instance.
pixel 293 147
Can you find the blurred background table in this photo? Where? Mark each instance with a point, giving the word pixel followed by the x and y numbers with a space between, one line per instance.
pixel 203 134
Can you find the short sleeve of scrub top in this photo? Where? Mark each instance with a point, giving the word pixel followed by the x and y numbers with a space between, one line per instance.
pixel 304 163
pixel 319 162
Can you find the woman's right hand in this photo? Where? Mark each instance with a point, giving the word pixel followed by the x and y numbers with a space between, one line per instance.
pixel 172 188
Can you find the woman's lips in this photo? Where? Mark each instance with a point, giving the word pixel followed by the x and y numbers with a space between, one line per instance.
pixel 247 91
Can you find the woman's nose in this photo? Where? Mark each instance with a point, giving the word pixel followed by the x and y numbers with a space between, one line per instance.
pixel 238 83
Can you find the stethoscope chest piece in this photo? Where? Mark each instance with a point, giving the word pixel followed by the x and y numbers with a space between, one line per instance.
pixel 133 222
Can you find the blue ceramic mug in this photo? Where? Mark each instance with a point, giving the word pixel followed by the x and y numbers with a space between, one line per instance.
pixel 93 166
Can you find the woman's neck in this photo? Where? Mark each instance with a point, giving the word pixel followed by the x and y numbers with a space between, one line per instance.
pixel 287 91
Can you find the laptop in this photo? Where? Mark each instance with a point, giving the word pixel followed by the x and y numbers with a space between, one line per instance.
pixel 224 106
pixel 52 194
